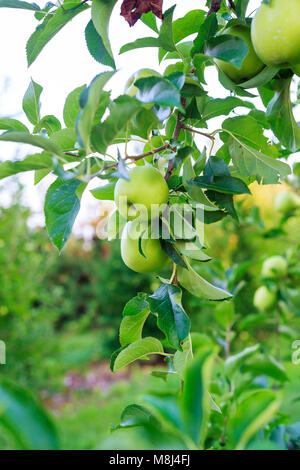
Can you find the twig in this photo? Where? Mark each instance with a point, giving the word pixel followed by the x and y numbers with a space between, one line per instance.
pixel 139 157
pixel 232 4
pixel 71 154
pixel 214 7
pixel 147 154
pixel 179 125
pixel 190 129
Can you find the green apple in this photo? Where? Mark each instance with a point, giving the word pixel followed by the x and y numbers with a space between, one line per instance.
pixel 286 202
pixel 275 267
pixel 130 88
pixel 135 198
pixel 251 65
pixel 264 299
pixel 275 32
pixel 137 234
pixel 155 142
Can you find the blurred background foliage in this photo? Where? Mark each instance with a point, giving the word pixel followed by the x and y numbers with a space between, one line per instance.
pixel 59 315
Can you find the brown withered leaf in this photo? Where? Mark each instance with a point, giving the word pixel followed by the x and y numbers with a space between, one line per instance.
pixel 132 10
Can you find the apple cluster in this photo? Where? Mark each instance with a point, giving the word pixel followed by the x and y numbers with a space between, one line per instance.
pixel 273 40
pixel 137 201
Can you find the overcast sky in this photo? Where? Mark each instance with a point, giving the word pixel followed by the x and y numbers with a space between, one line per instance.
pixel 65 64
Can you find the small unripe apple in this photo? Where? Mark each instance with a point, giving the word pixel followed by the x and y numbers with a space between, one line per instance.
pixel 264 299
pixel 130 88
pixel 136 233
pixel 135 198
pixel 275 32
pixel 251 65
pixel 275 267
pixel 155 142
pixel 286 202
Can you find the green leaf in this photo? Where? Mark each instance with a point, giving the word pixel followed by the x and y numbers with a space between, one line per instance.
pixel 158 90
pixel 31 162
pixel 137 350
pixel 199 287
pixel 251 415
pixel 222 106
pixel 188 24
pixel 25 419
pixel 166 406
pixel 249 130
pixel 232 86
pixel 142 123
pixel 61 208
pixel 194 192
pixel 233 363
pixel 195 401
pixel 136 415
pixel 35 140
pixel 96 47
pixel 135 314
pixel 50 123
pixel 8 124
pixel 104 193
pixel 172 252
pixel 222 184
pixel 139 43
pixel 101 13
pixel 19 4
pixel 149 19
pixel 281 118
pixel 72 107
pixel 31 102
pixel 267 366
pixel 223 201
pixel 183 358
pixel 191 250
pixel 40 174
pixel 263 77
pixel 249 161
pixel 165 38
pixel 51 25
pixel 122 111
pixel 66 139
pixel 228 48
pixel 91 99
pixel 206 31
pixel 172 319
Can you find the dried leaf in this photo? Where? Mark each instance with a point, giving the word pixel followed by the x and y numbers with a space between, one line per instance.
pixel 132 10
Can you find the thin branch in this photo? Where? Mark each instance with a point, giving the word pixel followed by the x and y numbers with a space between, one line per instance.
pixel 71 154
pixel 190 129
pixel 139 157
pixel 147 154
pixel 214 7
pixel 232 4
pixel 179 125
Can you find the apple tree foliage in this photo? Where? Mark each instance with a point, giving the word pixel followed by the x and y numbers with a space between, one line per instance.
pixel 174 106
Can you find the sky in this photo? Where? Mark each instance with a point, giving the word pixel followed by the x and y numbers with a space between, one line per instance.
pixel 63 65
